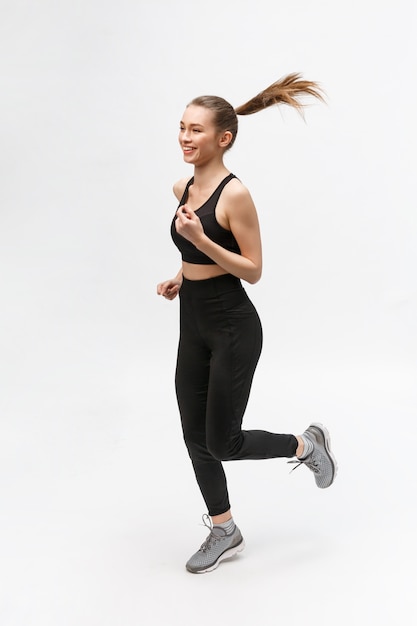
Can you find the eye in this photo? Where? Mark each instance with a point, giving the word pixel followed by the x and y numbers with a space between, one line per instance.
pixel 197 130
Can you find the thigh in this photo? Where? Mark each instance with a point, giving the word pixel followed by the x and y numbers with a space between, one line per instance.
pixel 235 354
pixel 191 384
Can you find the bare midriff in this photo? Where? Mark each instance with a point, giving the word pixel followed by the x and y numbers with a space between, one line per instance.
pixel 192 271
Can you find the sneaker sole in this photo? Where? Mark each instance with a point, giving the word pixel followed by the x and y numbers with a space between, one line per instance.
pixel 226 555
pixel 326 438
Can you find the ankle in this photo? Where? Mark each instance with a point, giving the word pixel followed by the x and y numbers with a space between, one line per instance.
pixel 222 518
pixel 306 447
pixel 228 527
pixel 300 448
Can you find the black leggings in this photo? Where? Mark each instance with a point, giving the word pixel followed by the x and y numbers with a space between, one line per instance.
pixel 220 344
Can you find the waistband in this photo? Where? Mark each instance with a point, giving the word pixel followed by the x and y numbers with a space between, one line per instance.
pixel 210 286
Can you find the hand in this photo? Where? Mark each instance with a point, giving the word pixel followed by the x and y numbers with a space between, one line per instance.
pixel 188 225
pixel 169 288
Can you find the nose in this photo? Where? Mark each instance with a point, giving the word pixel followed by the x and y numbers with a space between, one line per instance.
pixel 185 135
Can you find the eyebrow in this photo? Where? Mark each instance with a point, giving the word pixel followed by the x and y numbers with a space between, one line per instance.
pixel 192 124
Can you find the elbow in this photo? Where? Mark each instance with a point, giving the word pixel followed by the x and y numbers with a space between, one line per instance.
pixel 255 276
pixel 255 272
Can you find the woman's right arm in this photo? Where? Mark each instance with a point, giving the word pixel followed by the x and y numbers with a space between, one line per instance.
pixel 170 288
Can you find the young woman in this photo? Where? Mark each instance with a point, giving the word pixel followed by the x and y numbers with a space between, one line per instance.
pixel 217 233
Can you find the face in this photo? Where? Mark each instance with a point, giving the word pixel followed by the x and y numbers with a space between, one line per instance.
pixel 198 137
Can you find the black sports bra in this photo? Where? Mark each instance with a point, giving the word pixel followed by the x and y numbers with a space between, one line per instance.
pixel 211 227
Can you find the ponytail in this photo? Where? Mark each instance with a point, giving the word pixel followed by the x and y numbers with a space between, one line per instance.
pixel 288 90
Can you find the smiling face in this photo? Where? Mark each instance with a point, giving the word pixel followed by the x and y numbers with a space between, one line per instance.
pixel 199 138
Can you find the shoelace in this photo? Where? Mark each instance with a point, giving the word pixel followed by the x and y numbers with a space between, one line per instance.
pixel 213 538
pixel 311 463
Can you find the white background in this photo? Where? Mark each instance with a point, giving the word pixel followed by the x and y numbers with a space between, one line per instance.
pixel 98 506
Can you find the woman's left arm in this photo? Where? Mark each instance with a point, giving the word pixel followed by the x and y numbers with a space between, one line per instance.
pixel 243 222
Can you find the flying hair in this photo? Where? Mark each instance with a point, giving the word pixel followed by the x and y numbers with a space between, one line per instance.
pixel 289 90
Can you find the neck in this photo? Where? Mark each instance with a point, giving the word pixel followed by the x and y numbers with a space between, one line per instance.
pixel 205 174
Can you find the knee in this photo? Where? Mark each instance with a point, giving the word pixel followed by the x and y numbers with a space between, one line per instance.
pixel 213 445
pixel 192 446
pixel 219 449
pixel 195 444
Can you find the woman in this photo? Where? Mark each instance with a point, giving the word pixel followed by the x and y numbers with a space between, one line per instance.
pixel 217 232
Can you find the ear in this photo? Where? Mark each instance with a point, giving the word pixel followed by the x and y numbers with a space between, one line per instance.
pixel 225 139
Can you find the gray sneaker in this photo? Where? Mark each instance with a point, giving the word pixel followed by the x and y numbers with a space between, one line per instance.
pixel 321 460
pixel 217 547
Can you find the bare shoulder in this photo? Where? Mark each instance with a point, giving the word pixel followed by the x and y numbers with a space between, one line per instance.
pixel 236 194
pixel 179 187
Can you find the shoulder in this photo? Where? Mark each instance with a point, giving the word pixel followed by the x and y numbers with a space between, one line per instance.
pixel 236 194
pixel 179 187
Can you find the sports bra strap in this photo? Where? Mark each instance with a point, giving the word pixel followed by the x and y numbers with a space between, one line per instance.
pixel 216 193
pixel 185 194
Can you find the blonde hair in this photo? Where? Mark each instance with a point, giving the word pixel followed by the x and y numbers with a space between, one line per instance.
pixel 287 90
